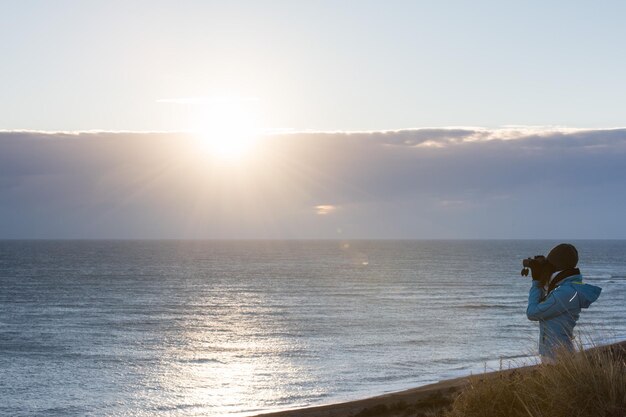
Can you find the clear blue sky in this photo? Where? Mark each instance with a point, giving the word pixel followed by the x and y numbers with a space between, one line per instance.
pixel 76 65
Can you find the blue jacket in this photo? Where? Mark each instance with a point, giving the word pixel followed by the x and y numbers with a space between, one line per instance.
pixel 558 312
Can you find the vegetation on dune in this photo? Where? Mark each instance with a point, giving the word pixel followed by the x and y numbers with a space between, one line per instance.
pixel 588 384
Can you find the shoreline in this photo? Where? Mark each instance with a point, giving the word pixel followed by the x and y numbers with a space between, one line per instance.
pixel 430 399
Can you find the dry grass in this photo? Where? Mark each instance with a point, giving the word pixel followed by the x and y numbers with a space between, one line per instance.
pixel 587 384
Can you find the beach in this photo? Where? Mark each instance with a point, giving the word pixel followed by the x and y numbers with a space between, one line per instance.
pixel 431 398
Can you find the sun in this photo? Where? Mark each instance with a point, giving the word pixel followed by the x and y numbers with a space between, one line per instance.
pixel 227 128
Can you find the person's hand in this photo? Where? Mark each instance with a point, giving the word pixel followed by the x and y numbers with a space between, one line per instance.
pixel 541 271
pixel 538 274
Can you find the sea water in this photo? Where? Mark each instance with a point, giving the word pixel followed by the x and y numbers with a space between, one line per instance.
pixel 241 327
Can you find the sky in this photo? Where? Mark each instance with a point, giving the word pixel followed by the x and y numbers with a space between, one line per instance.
pixel 281 119
pixel 324 65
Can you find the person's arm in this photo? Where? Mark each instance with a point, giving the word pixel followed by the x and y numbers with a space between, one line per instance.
pixel 558 302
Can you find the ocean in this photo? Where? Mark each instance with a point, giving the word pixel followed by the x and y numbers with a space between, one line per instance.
pixel 225 328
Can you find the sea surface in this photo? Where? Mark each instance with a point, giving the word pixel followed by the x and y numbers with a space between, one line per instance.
pixel 240 327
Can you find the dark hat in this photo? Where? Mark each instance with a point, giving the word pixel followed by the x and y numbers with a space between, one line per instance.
pixel 563 256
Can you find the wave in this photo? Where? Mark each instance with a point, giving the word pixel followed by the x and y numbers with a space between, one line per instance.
pixel 485 306
pixel 175 407
pixel 201 360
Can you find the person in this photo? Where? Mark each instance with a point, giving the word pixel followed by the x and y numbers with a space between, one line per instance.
pixel 556 298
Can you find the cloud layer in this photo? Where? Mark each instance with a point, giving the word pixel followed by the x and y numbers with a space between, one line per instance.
pixel 515 182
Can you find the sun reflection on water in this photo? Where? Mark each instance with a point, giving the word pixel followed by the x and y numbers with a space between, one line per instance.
pixel 237 365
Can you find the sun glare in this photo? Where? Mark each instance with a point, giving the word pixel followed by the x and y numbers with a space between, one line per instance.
pixel 227 128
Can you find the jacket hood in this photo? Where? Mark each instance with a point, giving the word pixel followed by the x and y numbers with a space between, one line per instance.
pixel 587 293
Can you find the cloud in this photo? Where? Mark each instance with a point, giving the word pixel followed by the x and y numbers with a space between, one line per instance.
pixel 463 182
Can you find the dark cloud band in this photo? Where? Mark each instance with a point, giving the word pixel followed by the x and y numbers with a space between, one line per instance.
pixel 452 182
